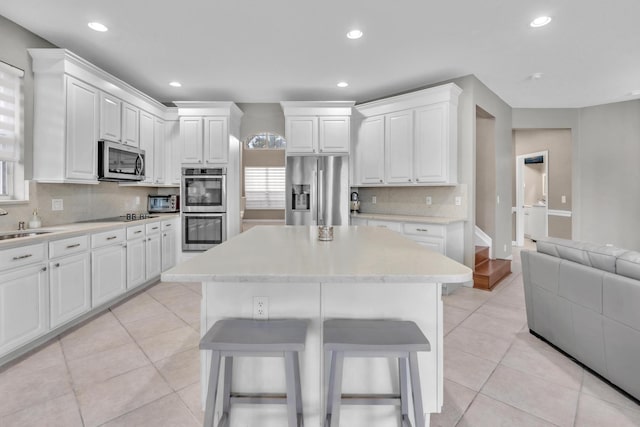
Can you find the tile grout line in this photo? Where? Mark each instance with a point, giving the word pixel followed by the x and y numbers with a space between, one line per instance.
pixel 73 388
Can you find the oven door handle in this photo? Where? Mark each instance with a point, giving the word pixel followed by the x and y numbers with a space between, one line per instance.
pixel 139 161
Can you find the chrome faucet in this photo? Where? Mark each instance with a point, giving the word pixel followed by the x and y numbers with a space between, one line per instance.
pixel 3 212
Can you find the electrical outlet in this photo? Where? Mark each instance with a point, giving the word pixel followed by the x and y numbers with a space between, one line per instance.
pixel 261 308
pixel 498 199
pixel 137 200
pixel 57 205
pixel 374 200
pixel 564 199
pixel 505 247
pixel 458 200
pixel 428 200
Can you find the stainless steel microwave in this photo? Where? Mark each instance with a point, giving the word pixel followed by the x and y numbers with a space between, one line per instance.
pixel 164 204
pixel 117 162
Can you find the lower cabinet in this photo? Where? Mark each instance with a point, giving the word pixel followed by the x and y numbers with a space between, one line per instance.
pixel 169 249
pixel 109 273
pixel 136 269
pixel 153 254
pixel 24 306
pixel 70 287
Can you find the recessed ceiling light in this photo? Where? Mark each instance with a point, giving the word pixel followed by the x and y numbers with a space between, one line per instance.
pixel 536 76
pixel 175 84
pixel 343 84
pixel 354 34
pixel 540 21
pixel 96 26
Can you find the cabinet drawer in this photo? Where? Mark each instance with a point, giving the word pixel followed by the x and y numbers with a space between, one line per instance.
pixel 436 230
pixel 16 257
pixel 436 244
pixel 135 232
pixel 106 238
pixel 68 246
pixel 153 228
pixel 395 226
pixel 169 224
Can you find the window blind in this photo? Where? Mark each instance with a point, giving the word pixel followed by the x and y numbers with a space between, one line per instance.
pixel 264 187
pixel 10 108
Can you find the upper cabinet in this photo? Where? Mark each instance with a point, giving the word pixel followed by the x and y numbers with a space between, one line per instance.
pixel 409 139
pixel 205 134
pixel 75 105
pixel 317 127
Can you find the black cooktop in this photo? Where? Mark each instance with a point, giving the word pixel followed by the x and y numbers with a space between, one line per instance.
pixel 124 218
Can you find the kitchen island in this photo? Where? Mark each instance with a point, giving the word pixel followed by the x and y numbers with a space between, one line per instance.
pixel 364 272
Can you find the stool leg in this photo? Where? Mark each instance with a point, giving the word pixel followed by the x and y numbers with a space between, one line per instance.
pixel 296 372
pixel 336 387
pixel 404 389
pixel 212 390
pixel 226 388
pixel 416 389
pixel 292 387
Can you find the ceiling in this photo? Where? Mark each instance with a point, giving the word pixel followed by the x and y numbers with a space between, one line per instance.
pixel 270 51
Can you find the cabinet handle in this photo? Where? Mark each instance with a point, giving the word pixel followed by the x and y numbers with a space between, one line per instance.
pixel 168 225
pixel 154 228
pixel 380 180
pixel 17 258
pixel 112 237
pixel 137 232
pixel 57 264
pixel 164 235
pixel 424 230
pixel 149 239
pixel 73 246
pixel 409 179
pixel 417 179
pixel 199 161
pixel 43 269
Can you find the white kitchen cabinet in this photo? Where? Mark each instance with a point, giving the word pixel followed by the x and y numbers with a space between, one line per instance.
pixel 317 127
pixel 153 256
pixel 159 150
pixel 81 132
pixel 420 138
pixel 370 151
pixel 216 140
pixel 108 273
pixel 169 244
pixel 301 134
pixel 192 138
pixel 136 260
pixel 147 144
pixel 391 225
pixel 130 125
pixel 399 147
pixel 70 287
pixel 24 306
pixel 174 152
pixel 110 117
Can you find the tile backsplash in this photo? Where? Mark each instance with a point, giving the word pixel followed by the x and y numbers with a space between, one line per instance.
pixel 412 200
pixel 80 202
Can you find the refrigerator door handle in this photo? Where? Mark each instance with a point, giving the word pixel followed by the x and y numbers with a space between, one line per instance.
pixel 314 198
pixel 321 197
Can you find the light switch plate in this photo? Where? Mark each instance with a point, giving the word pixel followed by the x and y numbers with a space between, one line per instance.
pixel 458 200
pixel 57 205
pixel 429 200
pixel 374 200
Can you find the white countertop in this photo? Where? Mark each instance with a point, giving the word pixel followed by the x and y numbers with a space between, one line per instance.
pixel 294 254
pixel 408 218
pixel 70 230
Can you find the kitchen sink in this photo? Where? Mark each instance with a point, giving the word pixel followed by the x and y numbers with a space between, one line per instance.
pixel 17 234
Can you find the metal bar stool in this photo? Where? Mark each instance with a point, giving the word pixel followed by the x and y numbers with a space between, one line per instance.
pixel 258 338
pixel 374 338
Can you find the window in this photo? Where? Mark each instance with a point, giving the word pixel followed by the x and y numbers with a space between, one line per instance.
pixel 266 141
pixel 11 113
pixel 264 187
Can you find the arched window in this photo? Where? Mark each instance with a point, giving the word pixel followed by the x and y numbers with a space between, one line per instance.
pixel 264 182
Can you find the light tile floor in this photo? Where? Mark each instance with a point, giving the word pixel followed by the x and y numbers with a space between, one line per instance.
pixel 138 365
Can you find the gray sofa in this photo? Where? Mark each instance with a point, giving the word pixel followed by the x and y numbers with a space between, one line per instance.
pixel 585 299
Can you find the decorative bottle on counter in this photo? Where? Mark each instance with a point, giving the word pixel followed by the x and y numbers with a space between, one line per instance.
pixel 35 222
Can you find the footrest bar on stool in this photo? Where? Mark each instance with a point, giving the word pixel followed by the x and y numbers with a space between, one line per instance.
pixel 258 398
pixel 371 399
pixel 224 420
pixel 406 422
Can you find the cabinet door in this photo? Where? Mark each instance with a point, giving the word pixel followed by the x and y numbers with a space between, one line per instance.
pixel 159 149
pixel 435 244
pixel 69 287
pixel 399 147
pixel 24 304
pixel 108 273
pixel 168 249
pixel 136 263
pixel 110 117
pixel 82 130
pixel 191 139
pixel 334 134
pixel 153 260
pixel 301 134
pixel 130 125
pixel 370 151
pixel 431 144
pixel 147 144
pixel 174 152
pixel 216 140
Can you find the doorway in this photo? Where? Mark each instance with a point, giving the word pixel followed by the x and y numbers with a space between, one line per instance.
pixel 532 190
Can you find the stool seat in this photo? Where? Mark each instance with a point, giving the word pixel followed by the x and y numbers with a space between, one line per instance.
pixel 372 335
pixel 375 338
pixel 228 338
pixel 255 335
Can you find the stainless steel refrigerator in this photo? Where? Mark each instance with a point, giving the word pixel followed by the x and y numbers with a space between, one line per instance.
pixel 317 190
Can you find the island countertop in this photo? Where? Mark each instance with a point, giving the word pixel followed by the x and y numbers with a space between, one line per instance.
pixel 294 254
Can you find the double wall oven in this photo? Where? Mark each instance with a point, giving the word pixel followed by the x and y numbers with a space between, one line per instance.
pixel 203 201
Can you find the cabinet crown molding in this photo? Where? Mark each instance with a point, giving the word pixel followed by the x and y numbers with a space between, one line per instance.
pixel 317 108
pixel 445 93
pixel 208 108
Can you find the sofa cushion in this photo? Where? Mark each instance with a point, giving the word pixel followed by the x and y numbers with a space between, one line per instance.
pixel 621 299
pixel 628 265
pixel 589 254
pixel 581 285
